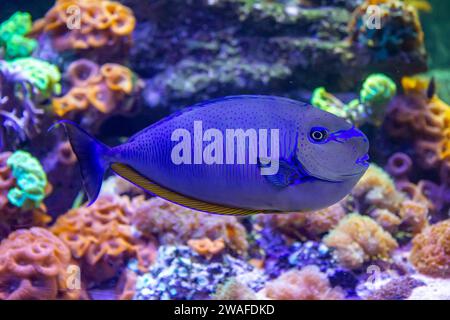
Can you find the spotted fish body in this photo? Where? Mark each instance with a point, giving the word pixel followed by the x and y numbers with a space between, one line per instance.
pixel 310 175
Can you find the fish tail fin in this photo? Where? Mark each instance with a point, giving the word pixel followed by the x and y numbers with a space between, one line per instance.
pixel 92 155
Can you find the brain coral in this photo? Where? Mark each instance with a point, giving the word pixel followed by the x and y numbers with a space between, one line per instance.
pixel 88 25
pixel 171 223
pixel 358 239
pixel 99 236
pixel 34 265
pixel 431 250
pixel 306 284
pixel 13 216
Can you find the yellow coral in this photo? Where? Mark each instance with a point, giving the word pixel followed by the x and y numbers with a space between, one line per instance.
pixel 430 253
pixel 358 239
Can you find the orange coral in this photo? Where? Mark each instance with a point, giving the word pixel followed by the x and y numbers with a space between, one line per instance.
pixel 424 119
pixel 306 284
pixel 358 239
pixel 170 223
pixel 101 24
pixel 102 88
pixel 34 264
pixel 13 217
pixel 430 253
pixel 99 236
pixel 206 247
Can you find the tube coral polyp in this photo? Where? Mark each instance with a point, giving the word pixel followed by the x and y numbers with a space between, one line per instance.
pixel 84 25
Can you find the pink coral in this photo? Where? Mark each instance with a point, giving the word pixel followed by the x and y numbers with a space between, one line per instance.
pixel 306 284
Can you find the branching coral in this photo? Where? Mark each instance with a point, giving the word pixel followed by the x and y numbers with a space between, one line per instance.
pixel 87 26
pixel 13 38
pixel 34 264
pixel 306 284
pixel 171 223
pixel 375 94
pixel 431 250
pixel 358 239
pixel 99 237
pixel 97 91
pixel 24 83
pixel 26 208
pixel 398 29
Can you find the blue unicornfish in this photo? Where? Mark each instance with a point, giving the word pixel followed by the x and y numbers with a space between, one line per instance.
pixel 234 155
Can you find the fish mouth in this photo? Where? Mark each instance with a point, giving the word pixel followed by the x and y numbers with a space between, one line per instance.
pixel 364 160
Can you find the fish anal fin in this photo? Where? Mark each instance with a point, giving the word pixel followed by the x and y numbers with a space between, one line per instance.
pixel 130 174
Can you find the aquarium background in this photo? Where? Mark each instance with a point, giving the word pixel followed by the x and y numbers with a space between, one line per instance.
pixel 134 62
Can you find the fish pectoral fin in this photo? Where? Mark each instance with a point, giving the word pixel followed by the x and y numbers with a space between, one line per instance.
pixel 130 174
pixel 287 174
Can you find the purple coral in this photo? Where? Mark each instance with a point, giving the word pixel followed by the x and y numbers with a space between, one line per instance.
pixel 20 116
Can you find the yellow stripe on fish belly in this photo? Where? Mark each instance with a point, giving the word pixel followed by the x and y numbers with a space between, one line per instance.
pixel 143 182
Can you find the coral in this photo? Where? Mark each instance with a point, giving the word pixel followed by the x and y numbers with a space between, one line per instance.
pixel 13 217
pixel 13 38
pixel 310 225
pixel 234 290
pixel 259 47
pixel 181 273
pixel 430 253
pixel 173 224
pixel 88 26
pixel 396 289
pixel 423 120
pixel 34 264
pixel 41 75
pixel 30 179
pixel 306 284
pixel 206 247
pixel 99 236
pixel 375 94
pixel 97 91
pixel 399 29
pixel 358 239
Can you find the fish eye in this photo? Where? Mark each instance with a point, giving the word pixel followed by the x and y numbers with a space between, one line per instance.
pixel 318 134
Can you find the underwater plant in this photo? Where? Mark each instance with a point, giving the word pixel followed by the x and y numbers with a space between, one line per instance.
pixel 35 264
pixel 13 40
pixel 374 97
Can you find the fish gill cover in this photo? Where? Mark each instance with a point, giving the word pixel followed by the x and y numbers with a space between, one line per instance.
pixel 116 67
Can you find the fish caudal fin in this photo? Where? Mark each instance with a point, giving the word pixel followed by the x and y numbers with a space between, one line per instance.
pixel 92 157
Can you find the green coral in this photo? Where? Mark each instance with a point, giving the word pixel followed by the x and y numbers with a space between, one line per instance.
pixel 13 38
pixel 31 180
pixel 44 76
pixel 376 92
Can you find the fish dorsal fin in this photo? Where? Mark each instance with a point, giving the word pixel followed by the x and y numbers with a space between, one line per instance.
pixel 143 182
